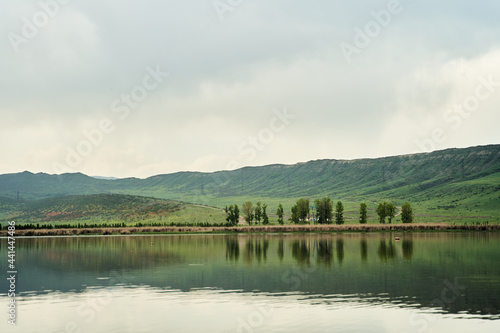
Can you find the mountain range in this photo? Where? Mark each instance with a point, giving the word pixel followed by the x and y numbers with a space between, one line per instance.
pixel 442 185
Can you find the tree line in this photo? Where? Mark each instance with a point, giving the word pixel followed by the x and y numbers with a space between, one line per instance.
pixel 322 212
pixel 388 210
pixel 250 213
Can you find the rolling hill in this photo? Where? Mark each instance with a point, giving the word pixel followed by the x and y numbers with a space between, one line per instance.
pixel 99 208
pixel 443 185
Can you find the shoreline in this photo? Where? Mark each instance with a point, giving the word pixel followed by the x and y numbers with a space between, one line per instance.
pixel 302 228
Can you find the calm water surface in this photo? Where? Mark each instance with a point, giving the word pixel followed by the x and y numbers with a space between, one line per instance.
pixel 425 282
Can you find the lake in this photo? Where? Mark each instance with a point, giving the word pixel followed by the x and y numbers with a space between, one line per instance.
pixel 423 282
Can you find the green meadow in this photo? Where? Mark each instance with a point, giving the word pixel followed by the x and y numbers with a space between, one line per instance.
pixel 460 186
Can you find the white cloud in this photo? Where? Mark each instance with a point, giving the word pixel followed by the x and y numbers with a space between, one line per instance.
pixel 227 78
pixel 444 97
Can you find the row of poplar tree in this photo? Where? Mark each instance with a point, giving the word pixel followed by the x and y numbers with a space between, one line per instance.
pixel 251 213
pixel 323 212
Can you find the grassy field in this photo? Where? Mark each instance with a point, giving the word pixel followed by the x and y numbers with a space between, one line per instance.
pixel 454 208
pixel 460 186
pixel 130 210
pixel 109 209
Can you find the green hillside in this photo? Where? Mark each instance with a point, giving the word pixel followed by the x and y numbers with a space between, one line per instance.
pixel 447 185
pixel 102 208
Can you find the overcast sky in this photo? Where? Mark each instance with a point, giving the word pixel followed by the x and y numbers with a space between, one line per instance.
pixel 138 88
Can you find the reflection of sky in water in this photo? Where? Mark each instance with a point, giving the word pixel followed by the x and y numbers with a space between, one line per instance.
pixel 145 309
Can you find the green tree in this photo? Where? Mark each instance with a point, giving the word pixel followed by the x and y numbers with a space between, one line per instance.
pixel 236 215
pixel 229 211
pixel 339 213
pixel 232 214
pixel 319 210
pixel 258 212
pixel 328 210
pixel 406 213
pixel 324 210
pixel 390 211
pixel 295 214
pixel 265 218
pixel 362 213
pixel 381 212
pixel 279 212
pixel 386 209
pixel 247 209
pixel 303 209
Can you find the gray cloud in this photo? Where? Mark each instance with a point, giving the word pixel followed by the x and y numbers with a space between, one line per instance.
pixel 227 77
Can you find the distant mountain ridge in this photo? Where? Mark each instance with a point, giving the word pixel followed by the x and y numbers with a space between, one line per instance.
pixel 102 177
pixel 468 173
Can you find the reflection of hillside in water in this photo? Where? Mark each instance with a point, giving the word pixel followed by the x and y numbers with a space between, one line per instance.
pixel 98 254
pixel 379 271
pixel 372 267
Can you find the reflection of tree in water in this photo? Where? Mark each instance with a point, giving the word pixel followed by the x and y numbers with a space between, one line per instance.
pixel 325 252
pixel 258 251
pixel 256 248
pixel 281 251
pixel 249 251
pixel 265 248
pixel 300 252
pixel 364 250
pixel 386 250
pixel 407 249
pixel 232 248
pixel 340 250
